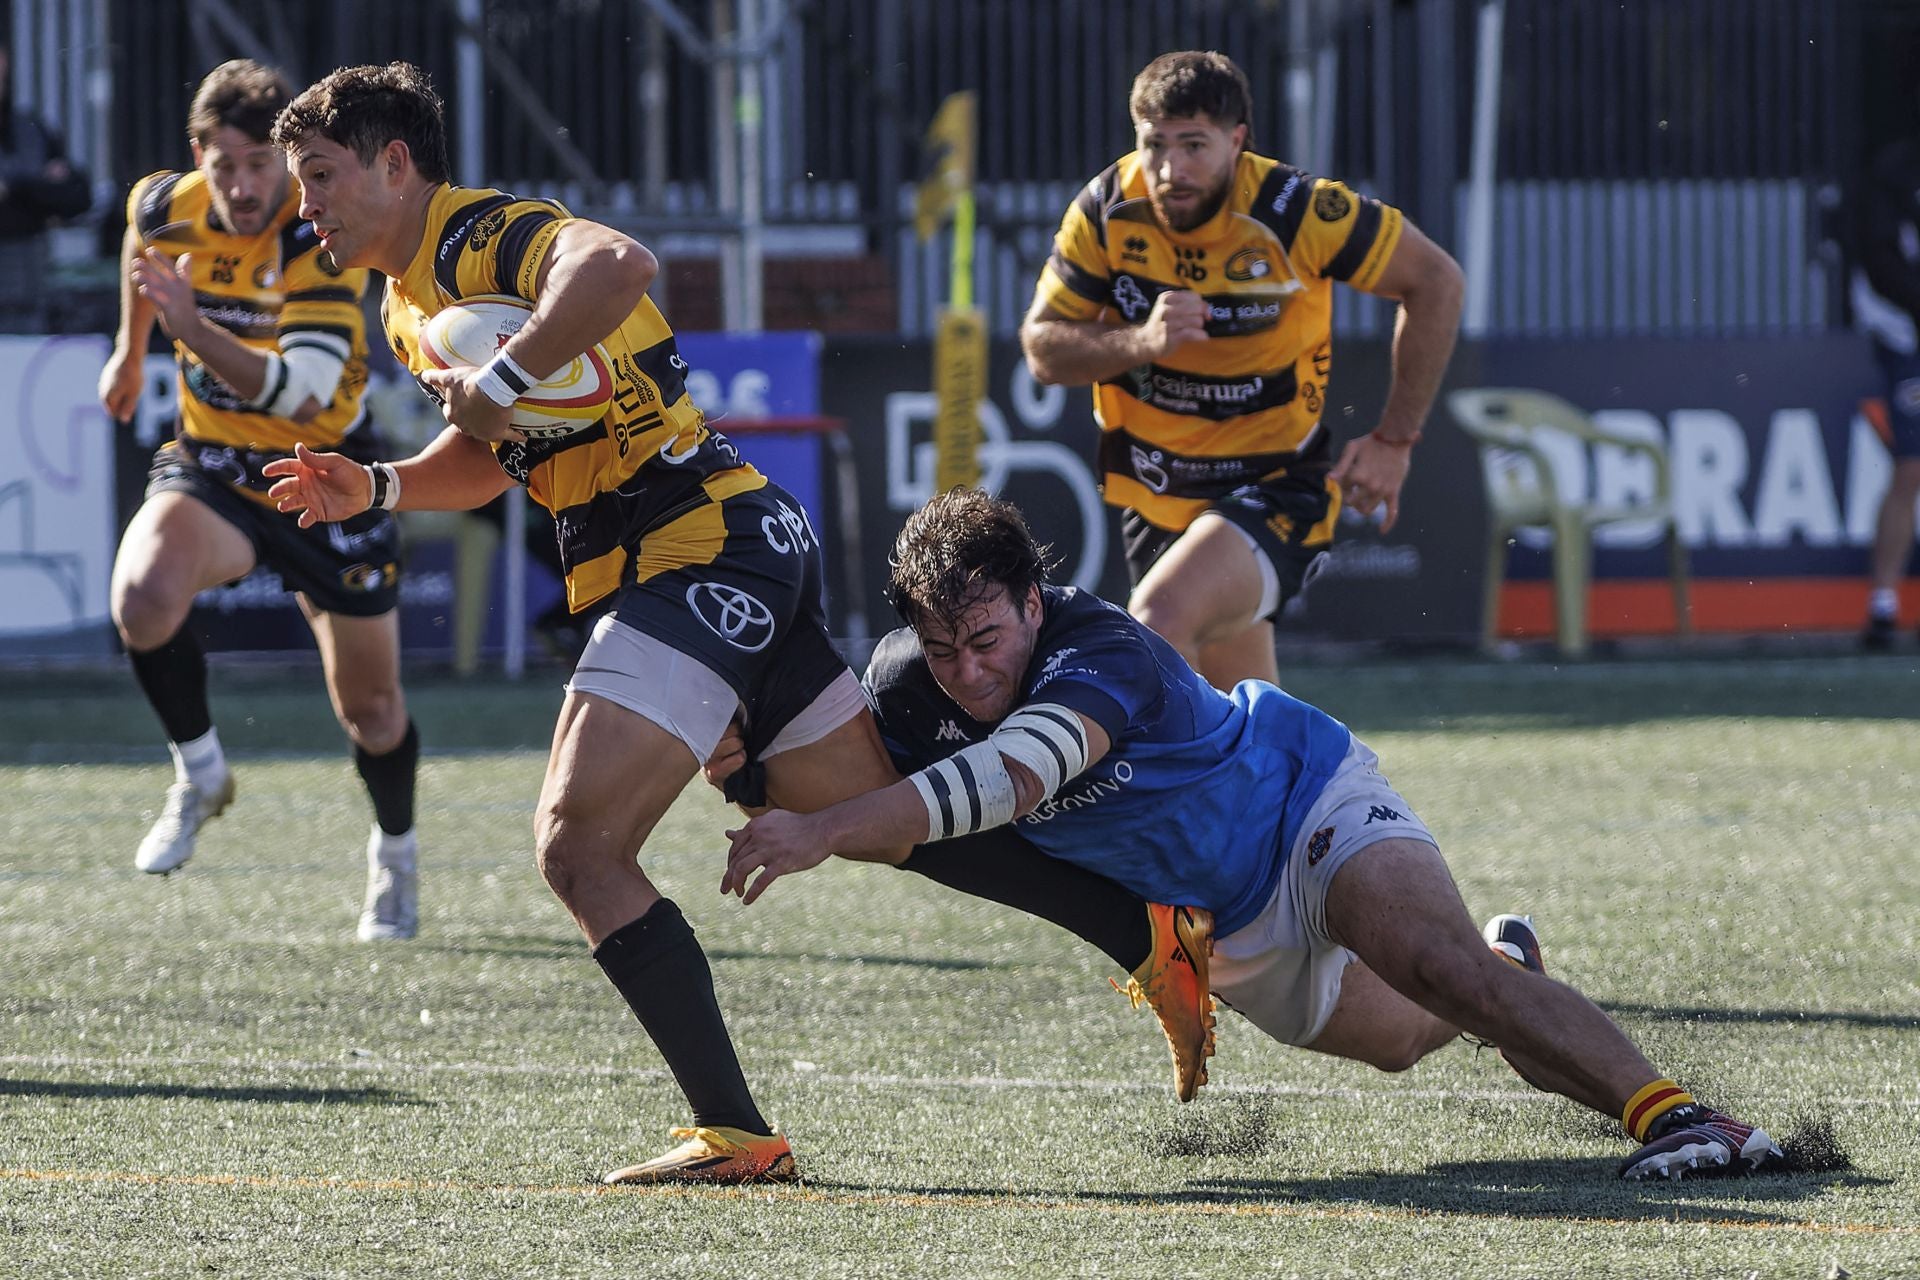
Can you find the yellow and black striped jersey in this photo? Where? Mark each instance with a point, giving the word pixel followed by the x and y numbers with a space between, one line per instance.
pixel 1220 414
pixel 275 290
pixel 652 457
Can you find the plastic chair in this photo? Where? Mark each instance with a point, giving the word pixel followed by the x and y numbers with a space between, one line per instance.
pixel 1510 425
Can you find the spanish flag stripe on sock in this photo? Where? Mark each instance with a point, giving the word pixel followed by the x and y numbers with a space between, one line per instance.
pixel 1649 1104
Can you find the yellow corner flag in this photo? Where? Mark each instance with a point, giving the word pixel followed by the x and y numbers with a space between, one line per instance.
pixel 960 347
pixel 946 163
pixel 959 383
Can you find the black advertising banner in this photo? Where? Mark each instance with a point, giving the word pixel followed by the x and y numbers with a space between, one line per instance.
pixel 1417 582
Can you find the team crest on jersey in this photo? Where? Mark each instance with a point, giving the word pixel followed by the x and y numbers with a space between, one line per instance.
pixel 1249 264
pixel 486 229
pixel 328 267
pixel 1317 846
pixel 1330 204
pixel 266 276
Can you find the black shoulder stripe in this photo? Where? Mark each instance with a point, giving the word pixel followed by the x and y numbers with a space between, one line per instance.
pixel 453 236
pixel 514 242
pixel 1282 201
pixel 1095 196
pixel 1081 281
pixel 1366 228
pixel 322 295
pixel 154 205
pixel 662 363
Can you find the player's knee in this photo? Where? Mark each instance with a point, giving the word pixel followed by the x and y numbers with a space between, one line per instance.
pixel 375 718
pixel 558 860
pixel 146 618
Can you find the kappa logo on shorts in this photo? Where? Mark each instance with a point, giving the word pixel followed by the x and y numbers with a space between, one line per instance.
pixel 949 732
pixel 1380 813
pixel 1317 846
pixel 733 615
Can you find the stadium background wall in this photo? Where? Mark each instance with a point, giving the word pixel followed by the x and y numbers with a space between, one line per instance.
pixel 1777 479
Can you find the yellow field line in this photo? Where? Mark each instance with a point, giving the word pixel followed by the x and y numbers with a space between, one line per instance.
pixel 804 1195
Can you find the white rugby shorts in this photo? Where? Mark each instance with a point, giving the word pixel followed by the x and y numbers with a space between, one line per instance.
pixel 1282 972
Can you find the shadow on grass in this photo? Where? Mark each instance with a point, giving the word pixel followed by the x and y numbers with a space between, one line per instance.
pixel 373 1097
pixel 1703 1013
pixel 1576 1190
pixel 905 962
pixel 540 947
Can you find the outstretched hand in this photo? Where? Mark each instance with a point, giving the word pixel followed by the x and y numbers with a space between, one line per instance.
pixel 1370 474
pixel 774 844
pixel 320 486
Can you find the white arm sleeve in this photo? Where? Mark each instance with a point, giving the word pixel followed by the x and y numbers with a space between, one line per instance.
pixel 1048 739
pixel 968 791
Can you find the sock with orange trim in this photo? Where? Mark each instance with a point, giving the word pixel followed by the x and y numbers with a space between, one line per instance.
pixel 1652 1110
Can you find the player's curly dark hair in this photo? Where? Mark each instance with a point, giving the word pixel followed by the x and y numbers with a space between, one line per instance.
pixel 953 552
pixel 1192 82
pixel 241 94
pixel 364 108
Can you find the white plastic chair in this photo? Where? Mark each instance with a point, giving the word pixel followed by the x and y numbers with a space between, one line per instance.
pixel 1510 424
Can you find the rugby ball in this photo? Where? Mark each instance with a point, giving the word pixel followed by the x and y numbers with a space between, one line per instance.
pixel 471 330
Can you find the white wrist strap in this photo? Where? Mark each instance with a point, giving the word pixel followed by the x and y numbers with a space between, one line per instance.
pixel 495 387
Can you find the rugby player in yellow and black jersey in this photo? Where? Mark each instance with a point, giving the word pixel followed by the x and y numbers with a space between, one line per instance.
pixel 1192 284
pixel 714 572
pixel 271 345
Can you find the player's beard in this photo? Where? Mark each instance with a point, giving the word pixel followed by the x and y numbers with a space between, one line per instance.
pixel 1200 212
pixel 253 218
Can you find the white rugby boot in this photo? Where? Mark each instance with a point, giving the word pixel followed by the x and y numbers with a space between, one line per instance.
pixel 169 842
pixel 392 912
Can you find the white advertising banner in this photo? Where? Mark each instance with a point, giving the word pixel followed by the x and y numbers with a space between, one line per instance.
pixel 57 525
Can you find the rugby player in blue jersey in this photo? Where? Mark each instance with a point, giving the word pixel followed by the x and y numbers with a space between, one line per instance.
pixel 1338 927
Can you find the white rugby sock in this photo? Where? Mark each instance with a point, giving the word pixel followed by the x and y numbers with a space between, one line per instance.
pixel 200 761
pixel 1883 603
pixel 387 850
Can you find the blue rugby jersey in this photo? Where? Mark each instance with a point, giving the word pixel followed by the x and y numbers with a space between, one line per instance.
pixel 1200 796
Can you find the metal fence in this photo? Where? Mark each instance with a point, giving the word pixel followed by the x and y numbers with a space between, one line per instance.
pixel 1663 164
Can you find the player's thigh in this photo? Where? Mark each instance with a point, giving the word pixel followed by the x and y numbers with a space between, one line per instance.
pixel 611 774
pixel 1206 585
pixel 1247 654
pixel 849 761
pixel 1395 905
pixel 175 547
pixel 1375 1024
pixel 361 659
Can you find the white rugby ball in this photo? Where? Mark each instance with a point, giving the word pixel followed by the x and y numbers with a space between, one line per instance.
pixel 472 330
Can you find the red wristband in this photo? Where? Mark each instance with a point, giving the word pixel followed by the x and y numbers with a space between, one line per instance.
pixel 1408 443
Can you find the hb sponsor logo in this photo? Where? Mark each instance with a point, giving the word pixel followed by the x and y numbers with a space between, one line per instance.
pixel 730 613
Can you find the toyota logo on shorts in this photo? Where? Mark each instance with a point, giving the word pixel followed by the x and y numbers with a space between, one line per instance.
pixel 733 615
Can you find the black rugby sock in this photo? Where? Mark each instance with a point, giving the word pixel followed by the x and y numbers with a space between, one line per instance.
pixel 657 965
pixel 1000 866
pixel 174 678
pixel 390 781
